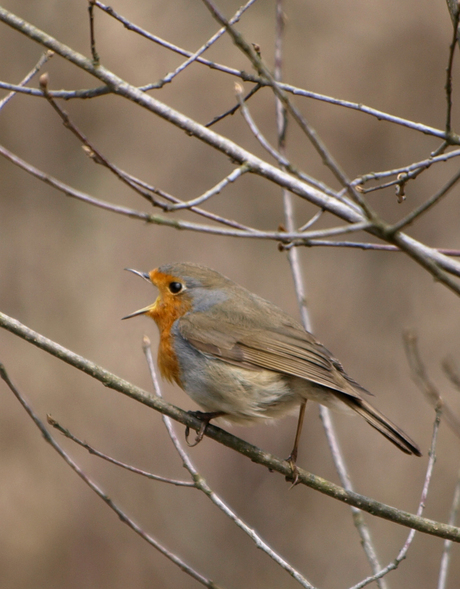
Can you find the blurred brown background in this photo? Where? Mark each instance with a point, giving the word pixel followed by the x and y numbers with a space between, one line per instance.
pixel 61 273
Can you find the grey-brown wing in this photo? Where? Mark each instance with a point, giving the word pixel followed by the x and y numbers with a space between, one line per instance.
pixel 287 349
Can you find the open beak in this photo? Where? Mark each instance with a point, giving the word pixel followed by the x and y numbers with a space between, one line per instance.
pixel 145 310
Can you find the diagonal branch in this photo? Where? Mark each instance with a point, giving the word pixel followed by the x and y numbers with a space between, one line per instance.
pixel 258 456
pixel 94 487
pixel 426 386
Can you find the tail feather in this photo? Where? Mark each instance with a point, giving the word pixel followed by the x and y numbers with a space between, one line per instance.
pixel 382 424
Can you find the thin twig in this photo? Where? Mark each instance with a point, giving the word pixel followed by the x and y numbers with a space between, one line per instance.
pixel 312 221
pixel 217 189
pixel 299 282
pixel 425 385
pixel 447 550
pixel 233 110
pixel 64 94
pixel 143 33
pixel 91 149
pixel 41 62
pixel 448 86
pixel 379 115
pixel 169 77
pixel 429 474
pixel 68 434
pixel 89 93
pixel 72 192
pixel 281 123
pixel 94 487
pixel 282 161
pixel 358 516
pixel 452 372
pixel 244 232
pixel 240 230
pixel 423 208
pixel 94 53
pixel 400 182
pixel 384 247
pixel 197 210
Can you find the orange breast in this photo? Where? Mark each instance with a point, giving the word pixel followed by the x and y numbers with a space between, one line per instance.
pixel 167 359
pixel 167 309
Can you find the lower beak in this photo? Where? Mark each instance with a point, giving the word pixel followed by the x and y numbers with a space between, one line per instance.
pixel 140 312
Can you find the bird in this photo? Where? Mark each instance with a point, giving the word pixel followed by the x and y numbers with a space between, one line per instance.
pixel 243 359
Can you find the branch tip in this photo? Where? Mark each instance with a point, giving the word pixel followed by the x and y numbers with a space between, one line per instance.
pixel 44 81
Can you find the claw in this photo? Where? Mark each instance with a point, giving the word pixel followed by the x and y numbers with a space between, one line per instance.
pixel 294 476
pixel 199 434
pixel 205 419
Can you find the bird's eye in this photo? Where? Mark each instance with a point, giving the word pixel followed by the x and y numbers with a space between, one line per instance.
pixel 175 287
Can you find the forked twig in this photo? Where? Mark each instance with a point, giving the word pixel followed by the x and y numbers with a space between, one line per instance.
pixel 202 485
pixel 95 487
pixel 68 434
pixel 429 473
pixel 425 385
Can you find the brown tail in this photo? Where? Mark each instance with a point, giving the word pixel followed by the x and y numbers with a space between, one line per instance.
pixel 382 424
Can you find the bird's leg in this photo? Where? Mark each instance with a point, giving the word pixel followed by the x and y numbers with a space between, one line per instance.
pixel 205 419
pixel 292 459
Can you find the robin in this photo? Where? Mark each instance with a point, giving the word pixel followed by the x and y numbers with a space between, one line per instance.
pixel 242 358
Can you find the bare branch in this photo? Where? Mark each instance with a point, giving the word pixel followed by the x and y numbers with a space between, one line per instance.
pixel 429 473
pixel 91 4
pixel 370 246
pixel 448 87
pixel 255 454
pixel 41 62
pixel 94 487
pixel 197 210
pixel 426 386
pixel 233 110
pixel 280 236
pixel 447 551
pixel 107 458
pixel 208 44
pixel 132 27
pixel 265 73
pixel 451 371
pixel 358 516
pixel 232 177
pixel 91 149
pixel 411 217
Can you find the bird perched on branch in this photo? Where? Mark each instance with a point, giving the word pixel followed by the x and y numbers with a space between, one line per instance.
pixel 242 358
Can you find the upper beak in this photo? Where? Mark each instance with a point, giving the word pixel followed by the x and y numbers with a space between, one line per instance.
pixel 145 276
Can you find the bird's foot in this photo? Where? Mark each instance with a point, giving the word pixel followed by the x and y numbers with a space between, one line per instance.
pixel 205 418
pixel 294 476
